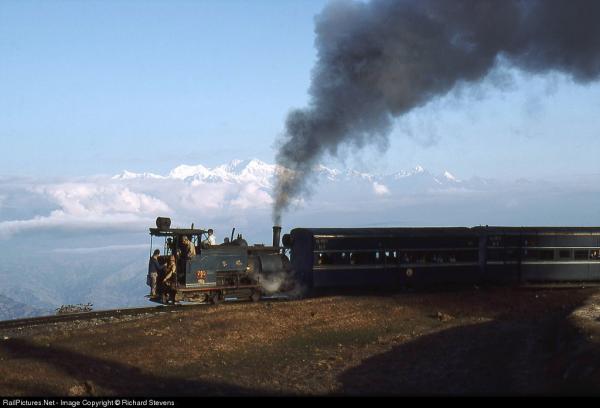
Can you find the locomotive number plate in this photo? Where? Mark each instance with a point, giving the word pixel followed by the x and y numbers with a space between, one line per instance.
pixel 200 275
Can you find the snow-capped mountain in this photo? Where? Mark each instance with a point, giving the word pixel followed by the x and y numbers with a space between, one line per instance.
pixel 236 171
pixel 128 175
pixel 257 172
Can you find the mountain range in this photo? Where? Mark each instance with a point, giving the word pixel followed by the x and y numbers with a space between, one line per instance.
pixel 257 171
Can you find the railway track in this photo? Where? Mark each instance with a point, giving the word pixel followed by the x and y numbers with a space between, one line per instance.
pixel 115 313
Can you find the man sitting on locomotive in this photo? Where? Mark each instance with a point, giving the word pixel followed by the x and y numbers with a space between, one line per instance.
pixel 210 240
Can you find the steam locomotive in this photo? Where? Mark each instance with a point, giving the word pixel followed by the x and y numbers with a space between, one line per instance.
pixel 232 269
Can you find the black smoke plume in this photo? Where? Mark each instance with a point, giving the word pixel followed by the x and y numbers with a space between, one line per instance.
pixel 379 60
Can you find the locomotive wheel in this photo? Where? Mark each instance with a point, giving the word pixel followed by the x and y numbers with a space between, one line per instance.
pixel 255 297
pixel 215 299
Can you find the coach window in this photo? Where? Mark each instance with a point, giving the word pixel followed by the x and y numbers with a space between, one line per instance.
pixel 581 254
pixel 547 255
pixel 531 254
pixel 322 260
pixel 495 255
pixel 494 241
pixel 512 254
pixel 564 254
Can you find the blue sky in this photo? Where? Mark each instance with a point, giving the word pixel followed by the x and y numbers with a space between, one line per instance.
pixel 95 87
pixel 92 87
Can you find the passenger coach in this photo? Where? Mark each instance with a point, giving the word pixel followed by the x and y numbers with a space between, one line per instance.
pixel 396 257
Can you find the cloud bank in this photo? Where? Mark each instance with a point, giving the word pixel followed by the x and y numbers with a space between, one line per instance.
pixel 241 193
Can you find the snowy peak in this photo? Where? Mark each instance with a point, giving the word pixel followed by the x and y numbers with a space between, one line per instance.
pixel 450 177
pixel 240 171
pixel 261 174
pixel 330 174
pixel 128 175
pixel 257 169
pixel 184 171
pixel 404 173
pixel 240 167
pixel 236 171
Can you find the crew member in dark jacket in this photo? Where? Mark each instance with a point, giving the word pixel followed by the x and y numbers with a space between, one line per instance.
pixel 154 267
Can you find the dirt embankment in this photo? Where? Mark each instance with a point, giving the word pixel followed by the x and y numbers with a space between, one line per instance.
pixel 464 342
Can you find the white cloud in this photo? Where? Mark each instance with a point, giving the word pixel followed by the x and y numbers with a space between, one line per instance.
pixel 97 199
pixel 60 220
pixel 87 205
pixel 204 197
pixel 252 196
pixel 380 189
pixel 133 200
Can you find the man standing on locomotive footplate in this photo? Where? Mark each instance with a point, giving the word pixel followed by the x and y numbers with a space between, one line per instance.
pixel 154 267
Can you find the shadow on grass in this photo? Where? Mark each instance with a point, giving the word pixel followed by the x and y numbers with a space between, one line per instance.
pixel 519 353
pixel 95 376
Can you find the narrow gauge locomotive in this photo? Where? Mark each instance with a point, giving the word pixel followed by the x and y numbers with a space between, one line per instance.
pixel 232 269
pixel 416 257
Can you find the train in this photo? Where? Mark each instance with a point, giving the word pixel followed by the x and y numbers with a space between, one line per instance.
pixel 307 260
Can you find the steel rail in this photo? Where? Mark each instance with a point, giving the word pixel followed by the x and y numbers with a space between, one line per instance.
pixel 69 317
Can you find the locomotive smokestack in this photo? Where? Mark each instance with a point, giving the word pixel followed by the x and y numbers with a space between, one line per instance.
pixel 276 235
